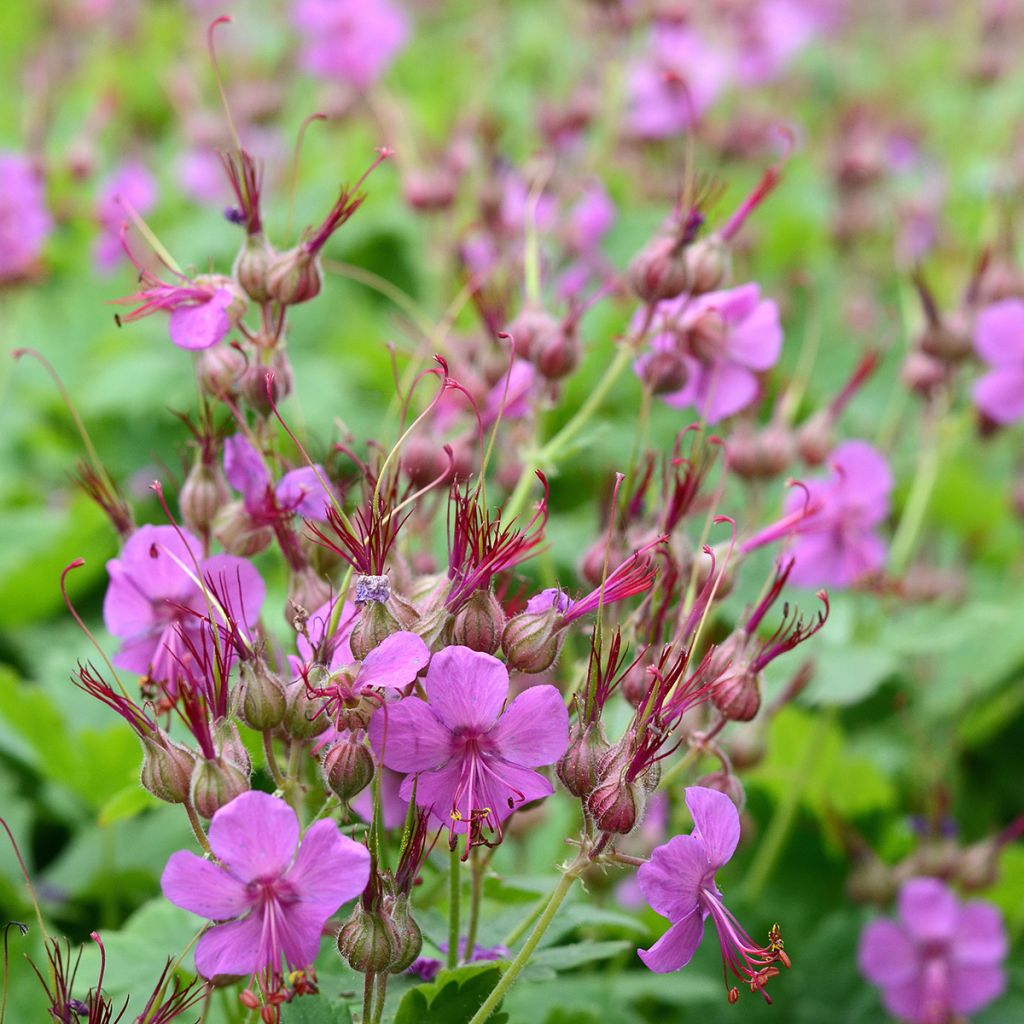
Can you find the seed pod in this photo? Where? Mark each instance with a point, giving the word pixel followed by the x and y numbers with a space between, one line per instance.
pixel 617 805
pixel 239 533
pixel 253 385
pixel 219 370
pixel 347 769
pixel 294 276
pixel 579 767
pixel 252 266
pixel 410 938
pixel 659 270
pixel 262 698
pixel 301 720
pixel 709 264
pixel 369 941
pixel 166 769
pixel 204 493
pixel 478 625
pixel 531 641
pixel 215 783
pixel 373 625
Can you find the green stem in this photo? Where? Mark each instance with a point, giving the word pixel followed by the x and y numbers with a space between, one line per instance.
pixel 271 760
pixel 477 867
pixel 197 828
pixel 368 979
pixel 382 991
pixel 523 956
pixel 454 888
pixel 782 821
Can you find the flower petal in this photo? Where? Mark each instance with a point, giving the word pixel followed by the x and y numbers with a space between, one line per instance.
pixel 972 987
pixel 394 662
pixel 232 948
pixel 676 947
pixel 980 935
pixel 408 737
pixel 466 689
pixel 756 341
pixel 301 491
pixel 887 955
pixel 1000 394
pixel 928 909
pixel 255 835
pixel 330 868
pixel 203 888
pixel 716 823
pixel 999 333
pixel 201 325
pixel 237 584
pixel 534 729
pixel 245 469
pixel 671 880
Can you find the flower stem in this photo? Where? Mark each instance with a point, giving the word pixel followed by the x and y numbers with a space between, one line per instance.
pixel 382 990
pixel 523 956
pixel 271 759
pixel 454 882
pixel 368 980
pixel 478 865
pixel 197 828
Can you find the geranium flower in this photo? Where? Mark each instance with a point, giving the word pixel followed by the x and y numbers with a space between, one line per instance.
pixel 472 757
pixel 156 605
pixel 999 341
pixel 679 883
pixel 25 222
pixel 274 892
pixel 939 959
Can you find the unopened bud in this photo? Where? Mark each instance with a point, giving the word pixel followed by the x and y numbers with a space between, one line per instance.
pixel 760 455
pixel 745 744
pixel 252 266
pixel 948 340
pixel 579 768
pixel 410 938
pixel 601 557
pixel 635 683
pixel 262 699
pixel 429 191
pixel 531 640
pixel 532 330
pixel 204 493
pixel 229 745
pixel 479 623
pixel 709 265
pixel 557 355
pixel 872 881
pixel 166 769
pixel 294 276
pixel 369 941
pixel 924 374
pixel 239 533
pixel 239 303
pixel 737 694
pixel 303 717
pixel 978 865
pixel 816 438
pixel 707 336
pixel 373 625
pixel 659 270
pixel 617 805
pixel 254 381
pixel 219 370
pixel 664 371
pixel 215 784
pixel 347 769
pixel 727 783
pixel 435 628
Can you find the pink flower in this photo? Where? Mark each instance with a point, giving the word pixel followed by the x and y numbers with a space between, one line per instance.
pixel 679 883
pixel 156 606
pixel 939 959
pixel 334 650
pixel 725 339
pixel 774 32
pixel 837 543
pixel 274 892
pixel 999 341
pixel 133 185
pixel 471 756
pixel 351 41
pixel 25 222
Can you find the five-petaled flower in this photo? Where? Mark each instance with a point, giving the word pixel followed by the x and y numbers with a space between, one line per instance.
pixel 472 758
pixel 273 892
pixel 940 958
pixel 679 883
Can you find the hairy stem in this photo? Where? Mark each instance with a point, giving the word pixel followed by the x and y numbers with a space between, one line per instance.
pixel 454 883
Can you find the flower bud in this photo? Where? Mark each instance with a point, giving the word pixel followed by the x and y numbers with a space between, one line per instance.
pixel 635 683
pixel 219 370
pixel 215 784
pixel 977 867
pixel 423 461
pixel 761 455
pixel 429 592
pixel 872 881
pixel 262 698
pixel 579 767
pixel 429 191
pixel 664 371
pixel 708 264
pixel 204 493
pixel 373 625
pixel 924 374
pixel 435 628
pixel 707 336
pixel 948 340
pixel 816 437
pixel 166 769
pixel 532 330
pixel 369 941
pixel 410 938
pixel 254 381
pixel 347 769
pixel 557 355
pixel 531 640
pixel 479 623
pixel 239 533
pixel 659 270
pixel 252 266
pixel 617 805
pixel 294 276
pixel 301 719
pixel 745 744
pixel 737 694
pixel 229 745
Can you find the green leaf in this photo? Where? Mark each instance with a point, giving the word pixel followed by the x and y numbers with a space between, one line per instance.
pixel 315 1010
pixel 126 803
pixel 564 958
pixel 452 998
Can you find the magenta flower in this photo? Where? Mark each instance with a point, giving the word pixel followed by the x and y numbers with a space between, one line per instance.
pixel 725 339
pixel 510 397
pixel 836 542
pixel 471 756
pixel 771 35
pixel 999 341
pixel 673 88
pixel 334 650
pixel 351 41
pixel 25 222
pixel 131 185
pixel 274 892
pixel 155 604
pixel 679 883
pixel 298 492
pixel 939 959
